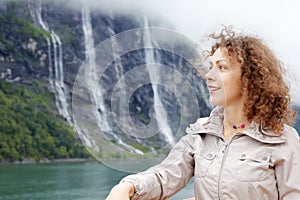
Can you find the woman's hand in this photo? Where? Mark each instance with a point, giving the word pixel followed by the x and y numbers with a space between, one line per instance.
pixel 122 191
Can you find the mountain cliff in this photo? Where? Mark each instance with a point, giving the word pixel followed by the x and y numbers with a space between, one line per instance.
pixel 52 70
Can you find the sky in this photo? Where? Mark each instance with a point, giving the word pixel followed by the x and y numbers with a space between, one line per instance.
pixel 275 21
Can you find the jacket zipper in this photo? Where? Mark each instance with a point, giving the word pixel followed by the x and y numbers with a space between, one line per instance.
pixel 224 151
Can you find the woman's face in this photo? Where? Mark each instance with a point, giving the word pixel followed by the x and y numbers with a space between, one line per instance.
pixel 224 80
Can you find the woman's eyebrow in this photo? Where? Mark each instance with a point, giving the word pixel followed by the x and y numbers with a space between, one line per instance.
pixel 218 61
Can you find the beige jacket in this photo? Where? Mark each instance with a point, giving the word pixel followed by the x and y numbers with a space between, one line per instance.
pixel 254 164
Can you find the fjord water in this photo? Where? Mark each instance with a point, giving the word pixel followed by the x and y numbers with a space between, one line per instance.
pixel 62 181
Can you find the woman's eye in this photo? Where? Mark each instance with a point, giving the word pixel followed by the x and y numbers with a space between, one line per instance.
pixel 221 67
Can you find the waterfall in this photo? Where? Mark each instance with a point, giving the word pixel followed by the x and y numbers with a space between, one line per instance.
pixel 56 75
pixel 119 70
pixel 92 80
pixel 154 74
pixel 98 99
pixel 59 85
pixel 35 11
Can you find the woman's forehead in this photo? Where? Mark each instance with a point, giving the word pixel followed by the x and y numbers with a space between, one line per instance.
pixel 221 54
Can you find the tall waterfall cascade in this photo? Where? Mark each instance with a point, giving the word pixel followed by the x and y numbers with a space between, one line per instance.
pixel 56 71
pixel 154 74
pixel 97 96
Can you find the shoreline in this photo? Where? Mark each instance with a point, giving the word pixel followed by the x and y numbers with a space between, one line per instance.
pixel 48 161
pixel 78 160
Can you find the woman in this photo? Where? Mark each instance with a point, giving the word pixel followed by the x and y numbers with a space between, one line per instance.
pixel 244 149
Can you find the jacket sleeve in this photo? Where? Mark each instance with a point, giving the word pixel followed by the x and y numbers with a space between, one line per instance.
pixel 168 177
pixel 288 169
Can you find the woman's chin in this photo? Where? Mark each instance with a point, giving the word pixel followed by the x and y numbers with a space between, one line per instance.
pixel 214 102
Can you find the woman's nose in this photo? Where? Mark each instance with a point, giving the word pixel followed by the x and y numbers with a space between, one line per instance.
pixel 210 74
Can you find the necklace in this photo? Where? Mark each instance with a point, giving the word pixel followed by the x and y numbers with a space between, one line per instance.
pixel 242 125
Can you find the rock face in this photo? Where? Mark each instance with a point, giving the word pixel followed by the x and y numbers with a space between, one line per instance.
pixel 23 48
pixel 51 41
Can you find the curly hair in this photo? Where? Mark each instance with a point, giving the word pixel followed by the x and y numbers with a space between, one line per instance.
pixel 267 93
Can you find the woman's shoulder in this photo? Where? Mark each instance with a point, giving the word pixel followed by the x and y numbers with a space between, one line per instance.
pixel 290 147
pixel 291 133
pixel 195 133
pixel 198 126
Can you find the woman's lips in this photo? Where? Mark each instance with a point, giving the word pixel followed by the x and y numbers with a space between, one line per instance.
pixel 212 88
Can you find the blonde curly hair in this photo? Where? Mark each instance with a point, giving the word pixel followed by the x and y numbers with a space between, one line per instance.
pixel 267 93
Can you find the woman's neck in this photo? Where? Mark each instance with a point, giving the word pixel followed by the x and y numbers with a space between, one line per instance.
pixel 234 120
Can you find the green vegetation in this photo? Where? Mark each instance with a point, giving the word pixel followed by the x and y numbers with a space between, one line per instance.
pixel 15 33
pixel 140 147
pixel 29 127
pixel 23 26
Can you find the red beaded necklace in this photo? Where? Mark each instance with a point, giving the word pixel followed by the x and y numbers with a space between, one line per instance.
pixel 242 125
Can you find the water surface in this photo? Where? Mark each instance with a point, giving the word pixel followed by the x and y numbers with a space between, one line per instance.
pixel 63 181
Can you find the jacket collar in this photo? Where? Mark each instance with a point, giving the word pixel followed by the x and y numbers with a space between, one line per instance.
pixel 213 125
